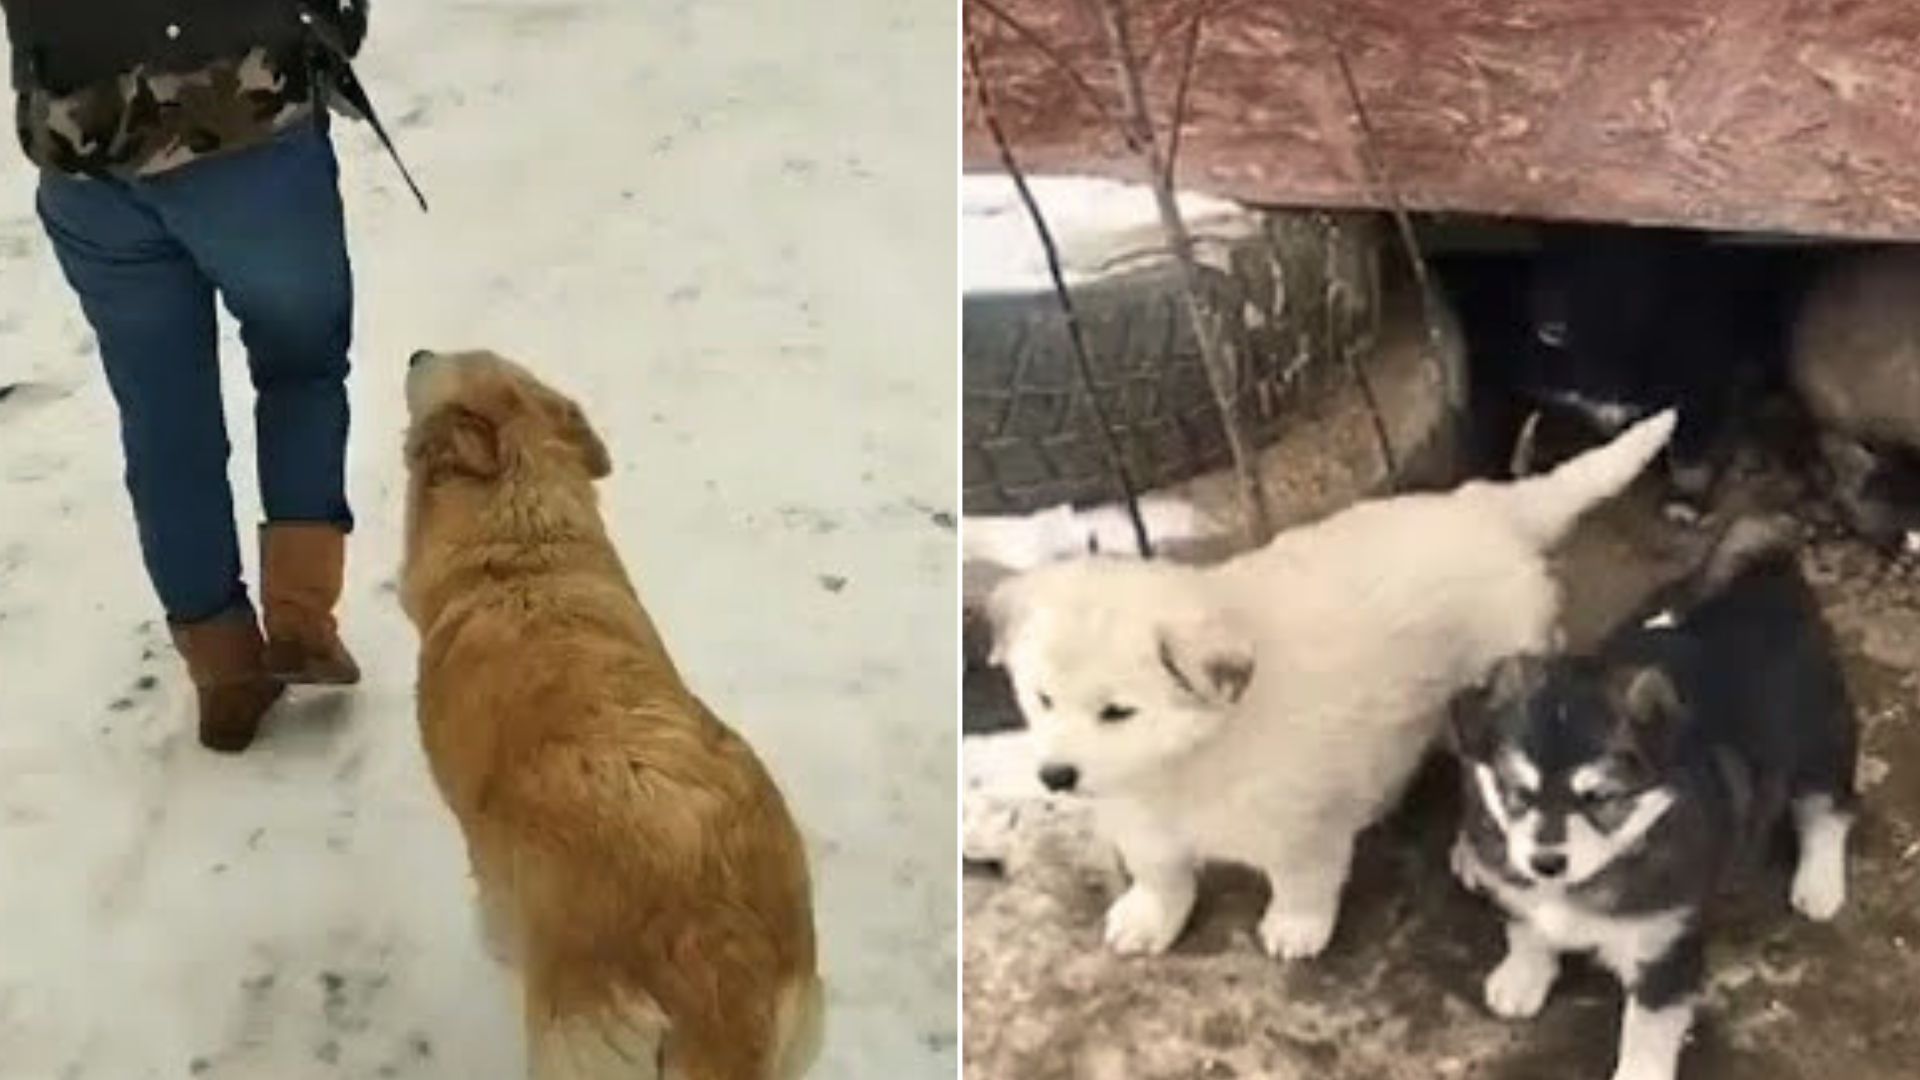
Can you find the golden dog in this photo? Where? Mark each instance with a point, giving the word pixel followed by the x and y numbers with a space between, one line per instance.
pixel 633 858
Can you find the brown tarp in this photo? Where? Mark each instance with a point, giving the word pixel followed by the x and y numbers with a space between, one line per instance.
pixel 1798 116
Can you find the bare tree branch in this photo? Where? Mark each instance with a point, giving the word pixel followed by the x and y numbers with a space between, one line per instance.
pixel 1339 343
pixel 1189 51
pixel 1377 175
pixel 1216 356
pixel 1075 335
pixel 1202 9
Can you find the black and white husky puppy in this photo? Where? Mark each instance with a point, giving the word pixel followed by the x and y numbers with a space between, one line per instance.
pixel 1609 794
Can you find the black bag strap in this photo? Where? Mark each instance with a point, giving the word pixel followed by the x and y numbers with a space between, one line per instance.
pixel 336 61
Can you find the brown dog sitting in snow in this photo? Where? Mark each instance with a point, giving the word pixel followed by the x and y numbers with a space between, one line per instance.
pixel 633 857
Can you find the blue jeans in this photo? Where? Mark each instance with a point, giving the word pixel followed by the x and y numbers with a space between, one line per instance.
pixel 263 229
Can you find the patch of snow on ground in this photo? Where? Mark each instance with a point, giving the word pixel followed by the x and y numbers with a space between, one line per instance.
pixel 726 227
pixel 1100 227
pixel 1021 542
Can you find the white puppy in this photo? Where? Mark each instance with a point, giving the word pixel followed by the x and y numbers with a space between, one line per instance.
pixel 1267 709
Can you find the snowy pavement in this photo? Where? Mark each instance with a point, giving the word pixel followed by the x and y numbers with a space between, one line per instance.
pixel 727 227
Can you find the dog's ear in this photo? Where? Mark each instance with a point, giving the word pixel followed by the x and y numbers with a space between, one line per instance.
pixel 1471 714
pixel 580 434
pixel 1650 709
pixel 1470 724
pixel 1514 679
pixel 456 441
pixel 1648 698
pixel 1006 609
pixel 1208 658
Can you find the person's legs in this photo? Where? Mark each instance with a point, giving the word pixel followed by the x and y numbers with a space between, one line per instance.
pixel 152 310
pixel 266 226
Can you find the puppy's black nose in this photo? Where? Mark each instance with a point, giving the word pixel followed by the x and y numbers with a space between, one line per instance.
pixel 419 355
pixel 1548 864
pixel 1059 777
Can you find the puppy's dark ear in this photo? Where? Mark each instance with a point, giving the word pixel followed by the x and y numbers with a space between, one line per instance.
pixel 1650 710
pixel 457 442
pixel 1470 724
pixel 1208 658
pixel 1507 685
pixel 580 433
pixel 1515 679
pixel 1649 698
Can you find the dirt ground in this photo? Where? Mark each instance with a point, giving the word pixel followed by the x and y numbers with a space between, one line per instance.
pixel 1398 993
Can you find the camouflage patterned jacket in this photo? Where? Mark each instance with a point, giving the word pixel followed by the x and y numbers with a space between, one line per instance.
pixel 145 122
pixel 206 77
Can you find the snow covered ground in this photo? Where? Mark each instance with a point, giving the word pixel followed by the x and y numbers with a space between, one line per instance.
pixel 728 227
pixel 1100 227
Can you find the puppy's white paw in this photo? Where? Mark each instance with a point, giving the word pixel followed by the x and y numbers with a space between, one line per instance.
pixel 1652 1040
pixel 1646 1070
pixel 1517 989
pixel 1819 889
pixel 1288 935
pixel 1820 878
pixel 1141 923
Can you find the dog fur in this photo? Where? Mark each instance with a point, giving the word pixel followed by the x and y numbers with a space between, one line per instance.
pixel 1856 348
pixel 1267 709
pixel 633 857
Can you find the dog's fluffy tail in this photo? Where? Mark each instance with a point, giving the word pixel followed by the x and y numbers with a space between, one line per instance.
pixel 1545 507
pixel 621 1039
pixel 628 1038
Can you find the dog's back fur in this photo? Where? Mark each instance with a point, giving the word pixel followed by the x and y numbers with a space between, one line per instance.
pixel 1756 663
pixel 633 856
pixel 1413 597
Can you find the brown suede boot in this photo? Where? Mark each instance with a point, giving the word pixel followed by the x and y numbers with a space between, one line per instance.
pixel 302 569
pixel 226 660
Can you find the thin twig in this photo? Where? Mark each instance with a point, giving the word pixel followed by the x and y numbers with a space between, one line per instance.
pixel 1338 342
pixel 1115 456
pixel 1379 177
pixel 1149 54
pixel 1188 52
pixel 1032 38
pixel 1216 358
